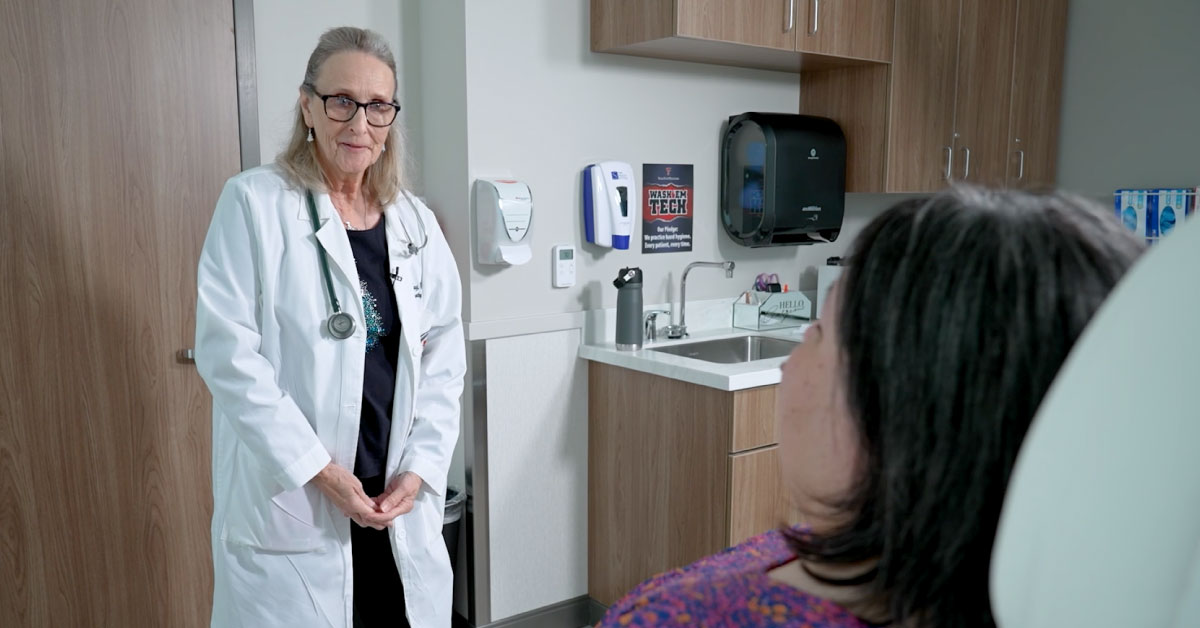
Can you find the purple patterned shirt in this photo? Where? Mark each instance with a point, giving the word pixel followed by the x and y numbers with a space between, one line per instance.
pixel 732 588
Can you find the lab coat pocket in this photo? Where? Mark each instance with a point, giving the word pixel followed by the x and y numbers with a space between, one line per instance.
pixel 291 521
pixel 299 505
pixel 294 520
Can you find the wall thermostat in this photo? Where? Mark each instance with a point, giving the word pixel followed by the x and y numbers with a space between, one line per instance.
pixel 564 265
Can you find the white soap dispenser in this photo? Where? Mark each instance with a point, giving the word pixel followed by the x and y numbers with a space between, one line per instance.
pixel 504 217
pixel 610 201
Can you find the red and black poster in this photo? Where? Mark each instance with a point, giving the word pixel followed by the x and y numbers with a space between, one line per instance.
pixel 666 208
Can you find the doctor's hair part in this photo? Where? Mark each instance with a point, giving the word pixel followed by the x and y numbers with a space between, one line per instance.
pixel 956 312
pixel 385 178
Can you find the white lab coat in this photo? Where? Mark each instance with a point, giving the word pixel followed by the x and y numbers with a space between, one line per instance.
pixel 287 397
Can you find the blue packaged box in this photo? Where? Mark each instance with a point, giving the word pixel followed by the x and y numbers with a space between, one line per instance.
pixel 1137 210
pixel 1174 205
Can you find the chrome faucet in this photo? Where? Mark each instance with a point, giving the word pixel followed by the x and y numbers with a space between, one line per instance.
pixel 680 330
pixel 650 324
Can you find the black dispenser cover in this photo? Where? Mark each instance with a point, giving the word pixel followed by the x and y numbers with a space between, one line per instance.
pixel 783 179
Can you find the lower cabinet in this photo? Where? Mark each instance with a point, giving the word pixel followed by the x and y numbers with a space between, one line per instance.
pixel 757 498
pixel 676 471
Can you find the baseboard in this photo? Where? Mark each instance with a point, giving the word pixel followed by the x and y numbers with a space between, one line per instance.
pixel 573 613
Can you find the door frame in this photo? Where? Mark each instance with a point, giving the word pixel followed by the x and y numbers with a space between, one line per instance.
pixel 247 82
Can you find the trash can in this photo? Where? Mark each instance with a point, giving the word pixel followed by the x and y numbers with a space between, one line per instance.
pixel 456 503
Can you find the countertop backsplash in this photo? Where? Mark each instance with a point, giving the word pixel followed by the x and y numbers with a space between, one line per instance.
pixel 703 315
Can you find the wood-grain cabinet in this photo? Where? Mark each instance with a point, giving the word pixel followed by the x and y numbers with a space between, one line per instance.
pixel 972 94
pixel 1039 51
pixel 928 92
pixel 676 471
pixel 772 34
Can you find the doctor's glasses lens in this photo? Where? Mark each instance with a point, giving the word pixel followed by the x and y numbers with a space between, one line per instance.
pixel 343 109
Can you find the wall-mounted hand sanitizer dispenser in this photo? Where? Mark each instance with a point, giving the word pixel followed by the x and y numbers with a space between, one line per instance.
pixel 610 201
pixel 504 216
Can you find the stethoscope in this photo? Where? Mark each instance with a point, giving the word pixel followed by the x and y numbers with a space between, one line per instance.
pixel 341 324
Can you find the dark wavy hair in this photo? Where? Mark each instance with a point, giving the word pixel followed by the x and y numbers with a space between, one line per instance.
pixel 956 312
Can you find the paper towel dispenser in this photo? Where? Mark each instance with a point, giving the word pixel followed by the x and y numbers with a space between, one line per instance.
pixel 504 216
pixel 783 179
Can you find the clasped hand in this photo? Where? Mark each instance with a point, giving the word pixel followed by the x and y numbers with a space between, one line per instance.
pixel 346 492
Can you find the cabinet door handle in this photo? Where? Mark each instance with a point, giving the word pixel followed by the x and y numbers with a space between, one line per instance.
pixel 791 17
pixel 186 355
pixel 1021 165
pixel 966 163
pixel 949 161
pixel 816 15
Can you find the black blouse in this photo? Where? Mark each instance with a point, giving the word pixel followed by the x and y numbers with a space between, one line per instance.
pixel 383 345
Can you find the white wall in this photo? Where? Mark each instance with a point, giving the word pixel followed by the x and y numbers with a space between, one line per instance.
pixel 542 106
pixel 285 33
pixel 439 130
pixel 1131 92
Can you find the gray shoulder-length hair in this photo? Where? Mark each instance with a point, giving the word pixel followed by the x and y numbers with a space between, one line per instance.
pixel 385 178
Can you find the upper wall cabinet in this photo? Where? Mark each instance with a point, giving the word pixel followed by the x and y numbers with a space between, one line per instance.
pixel 928 92
pixel 858 29
pixel 1037 93
pixel 950 110
pixel 972 94
pixel 983 97
pixel 788 35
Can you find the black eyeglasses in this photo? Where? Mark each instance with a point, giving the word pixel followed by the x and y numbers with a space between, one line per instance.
pixel 341 108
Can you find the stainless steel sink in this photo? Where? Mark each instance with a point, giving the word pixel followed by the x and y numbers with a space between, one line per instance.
pixel 732 350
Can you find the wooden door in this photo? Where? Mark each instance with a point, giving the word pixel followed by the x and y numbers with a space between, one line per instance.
pixel 1041 35
pixel 846 28
pixel 924 64
pixel 754 22
pixel 118 126
pixel 758 500
pixel 985 62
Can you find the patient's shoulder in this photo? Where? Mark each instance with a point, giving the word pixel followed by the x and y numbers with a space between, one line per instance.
pixel 729 588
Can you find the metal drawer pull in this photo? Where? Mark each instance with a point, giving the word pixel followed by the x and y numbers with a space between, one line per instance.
pixel 1021 165
pixel 949 161
pixel 967 163
pixel 791 17
pixel 815 17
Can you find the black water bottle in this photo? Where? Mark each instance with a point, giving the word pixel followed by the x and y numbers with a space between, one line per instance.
pixel 629 309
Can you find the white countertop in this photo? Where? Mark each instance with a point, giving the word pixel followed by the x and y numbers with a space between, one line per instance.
pixel 720 376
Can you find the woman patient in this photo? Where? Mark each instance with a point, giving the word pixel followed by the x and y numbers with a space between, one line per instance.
pixel 900 415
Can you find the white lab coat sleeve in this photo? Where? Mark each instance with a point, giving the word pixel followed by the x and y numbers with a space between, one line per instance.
pixel 436 419
pixel 243 383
